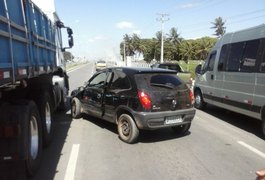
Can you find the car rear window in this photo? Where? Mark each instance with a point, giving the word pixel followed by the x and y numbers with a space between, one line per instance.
pixel 155 81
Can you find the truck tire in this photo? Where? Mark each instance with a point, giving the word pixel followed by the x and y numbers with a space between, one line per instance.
pixel 44 104
pixel 76 108
pixel 127 129
pixel 63 102
pixel 182 129
pixel 33 140
pixel 199 102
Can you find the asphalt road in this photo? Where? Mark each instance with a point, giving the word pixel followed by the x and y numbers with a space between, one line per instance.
pixel 221 145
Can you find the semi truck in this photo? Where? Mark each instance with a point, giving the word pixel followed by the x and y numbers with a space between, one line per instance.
pixel 33 80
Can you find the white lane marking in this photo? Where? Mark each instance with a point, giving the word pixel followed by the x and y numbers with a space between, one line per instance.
pixel 70 171
pixel 261 154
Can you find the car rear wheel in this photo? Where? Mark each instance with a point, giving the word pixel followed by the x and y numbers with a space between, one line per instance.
pixel 127 129
pixel 76 108
pixel 199 102
pixel 182 129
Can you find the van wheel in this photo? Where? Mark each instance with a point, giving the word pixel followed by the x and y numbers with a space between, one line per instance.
pixel 76 108
pixel 182 129
pixel 199 102
pixel 127 129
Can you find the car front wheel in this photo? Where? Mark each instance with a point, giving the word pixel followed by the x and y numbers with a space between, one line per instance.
pixel 127 129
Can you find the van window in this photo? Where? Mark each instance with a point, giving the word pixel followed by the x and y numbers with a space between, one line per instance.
pixel 223 57
pixel 211 61
pixel 249 59
pixel 235 56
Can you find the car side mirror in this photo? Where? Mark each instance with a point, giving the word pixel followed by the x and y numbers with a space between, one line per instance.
pixel 198 69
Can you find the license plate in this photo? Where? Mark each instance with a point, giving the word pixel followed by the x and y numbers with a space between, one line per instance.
pixel 173 120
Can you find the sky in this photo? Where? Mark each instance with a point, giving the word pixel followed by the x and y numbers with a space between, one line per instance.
pixel 99 25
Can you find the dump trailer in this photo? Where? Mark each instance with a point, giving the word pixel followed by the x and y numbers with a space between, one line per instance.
pixel 33 80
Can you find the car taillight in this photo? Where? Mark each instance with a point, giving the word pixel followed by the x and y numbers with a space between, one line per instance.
pixel 191 97
pixel 144 99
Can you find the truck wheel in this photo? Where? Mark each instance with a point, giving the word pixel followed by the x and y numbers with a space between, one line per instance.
pixel 63 103
pixel 76 108
pixel 127 129
pixel 182 129
pixel 34 142
pixel 199 102
pixel 46 115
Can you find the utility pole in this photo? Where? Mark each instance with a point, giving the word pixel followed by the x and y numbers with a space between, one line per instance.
pixel 162 19
pixel 124 53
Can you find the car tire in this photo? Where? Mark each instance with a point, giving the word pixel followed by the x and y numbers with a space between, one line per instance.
pixel 199 102
pixel 76 108
pixel 182 129
pixel 127 129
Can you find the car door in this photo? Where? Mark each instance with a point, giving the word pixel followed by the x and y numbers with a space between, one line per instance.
pixel 116 94
pixel 94 93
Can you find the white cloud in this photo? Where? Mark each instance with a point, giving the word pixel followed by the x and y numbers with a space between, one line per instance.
pixel 97 38
pixel 124 25
pixel 186 6
pixel 77 21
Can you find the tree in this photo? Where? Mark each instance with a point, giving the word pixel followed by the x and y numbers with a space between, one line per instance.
pixel 175 39
pixel 187 50
pixel 203 46
pixel 219 26
pixel 174 36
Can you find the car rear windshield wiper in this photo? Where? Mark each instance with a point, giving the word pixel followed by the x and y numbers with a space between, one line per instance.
pixel 170 86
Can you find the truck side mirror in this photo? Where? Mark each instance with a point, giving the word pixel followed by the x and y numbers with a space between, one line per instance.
pixel 69 31
pixel 70 41
pixel 198 69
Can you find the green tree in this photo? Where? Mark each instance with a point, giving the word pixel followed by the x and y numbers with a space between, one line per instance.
pixel 219 27
pixel 187 50
pixel 175 39
pixel 203 46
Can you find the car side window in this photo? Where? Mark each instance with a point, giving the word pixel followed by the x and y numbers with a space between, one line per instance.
pixel 120 81
pixel 98 80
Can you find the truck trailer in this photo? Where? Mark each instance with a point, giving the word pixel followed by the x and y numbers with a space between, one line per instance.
pixel 33 80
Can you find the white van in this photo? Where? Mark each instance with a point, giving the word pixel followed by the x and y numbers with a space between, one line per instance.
pixel 233 75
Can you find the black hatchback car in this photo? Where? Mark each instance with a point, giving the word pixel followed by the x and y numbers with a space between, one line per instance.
pixel 136 98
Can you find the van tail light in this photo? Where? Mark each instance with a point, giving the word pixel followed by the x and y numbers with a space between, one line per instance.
pixel 144 99
pixel 191 97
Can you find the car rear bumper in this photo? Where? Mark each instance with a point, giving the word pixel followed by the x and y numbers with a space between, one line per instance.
pixel 156 120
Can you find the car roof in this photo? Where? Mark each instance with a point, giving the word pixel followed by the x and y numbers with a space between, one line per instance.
pixel 137 70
